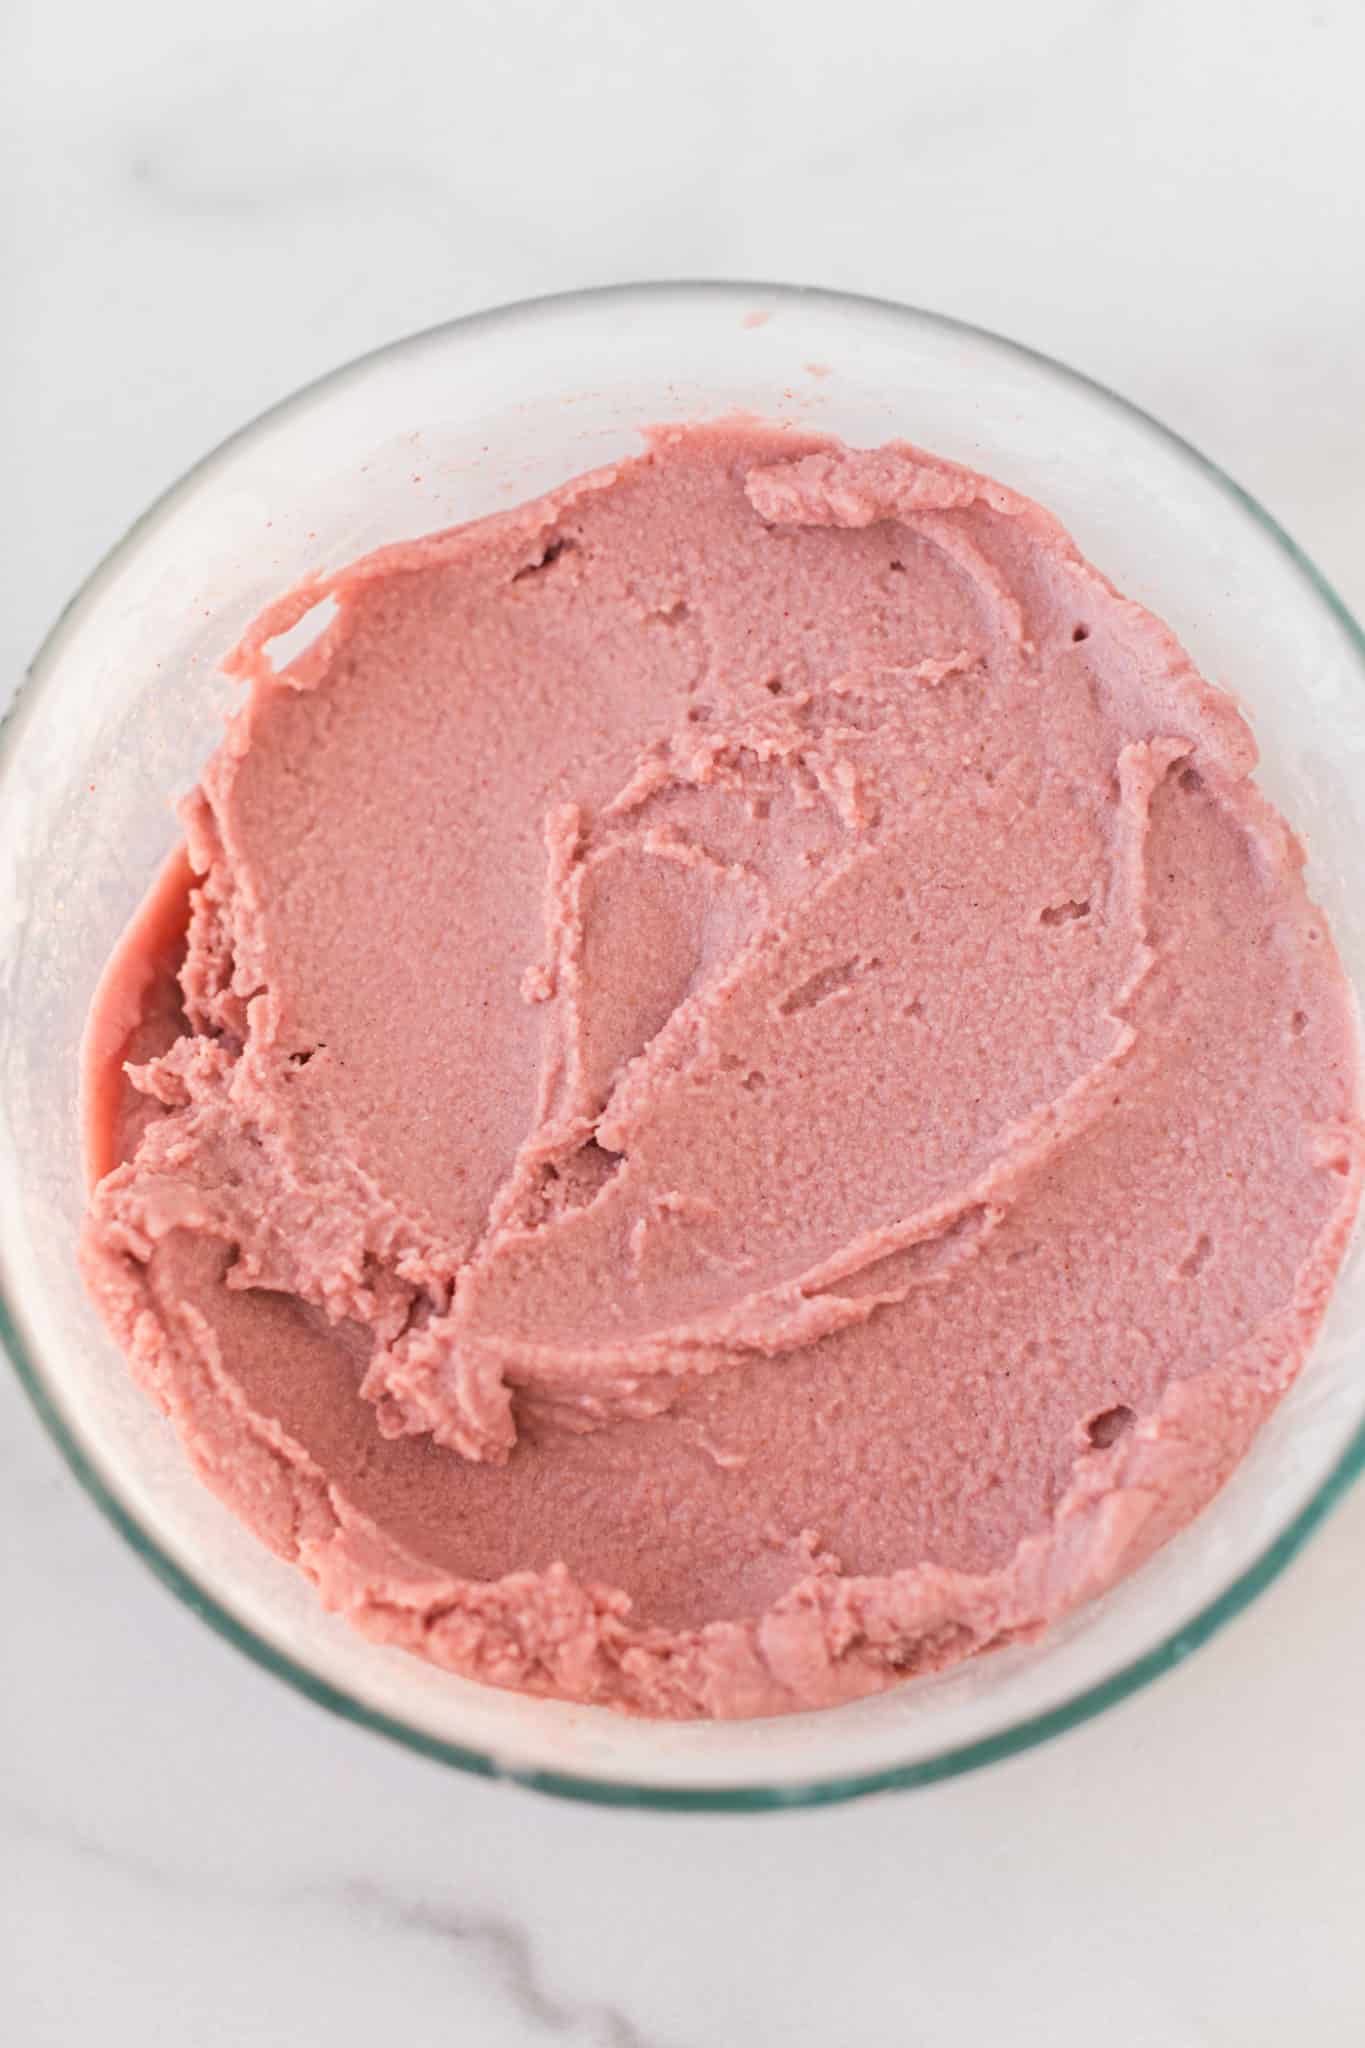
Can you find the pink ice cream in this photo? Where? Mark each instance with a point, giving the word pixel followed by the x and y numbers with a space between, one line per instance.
pixel 740 1096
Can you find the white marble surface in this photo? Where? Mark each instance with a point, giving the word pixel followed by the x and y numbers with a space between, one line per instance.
pixel 207 208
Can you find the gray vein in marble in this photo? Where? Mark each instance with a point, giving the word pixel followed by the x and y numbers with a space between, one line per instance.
pixel 509 1954
pixel 512 1956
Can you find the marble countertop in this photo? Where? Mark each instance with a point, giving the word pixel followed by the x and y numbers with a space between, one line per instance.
pixel 215 210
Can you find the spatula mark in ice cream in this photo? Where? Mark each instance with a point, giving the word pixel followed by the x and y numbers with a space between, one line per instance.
pixel 700 1141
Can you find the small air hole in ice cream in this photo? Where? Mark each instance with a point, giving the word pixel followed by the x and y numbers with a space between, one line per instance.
pixel 1069 912
pixel 549 555
pixel 822 986
pixel 1197 1257
pixel 1108 1426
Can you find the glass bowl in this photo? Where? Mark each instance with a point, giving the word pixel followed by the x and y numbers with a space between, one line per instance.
pixel 124 703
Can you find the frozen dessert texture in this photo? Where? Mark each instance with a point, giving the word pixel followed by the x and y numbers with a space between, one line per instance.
pixel 736 1095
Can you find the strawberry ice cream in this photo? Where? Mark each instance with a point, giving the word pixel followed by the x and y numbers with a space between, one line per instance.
pixel 735 1096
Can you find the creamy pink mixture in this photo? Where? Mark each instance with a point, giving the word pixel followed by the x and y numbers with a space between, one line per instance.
pixel 749 1100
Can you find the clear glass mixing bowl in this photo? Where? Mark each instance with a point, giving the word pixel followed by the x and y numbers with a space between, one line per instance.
pixel 124 703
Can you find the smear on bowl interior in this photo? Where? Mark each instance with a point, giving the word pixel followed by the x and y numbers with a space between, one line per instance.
pixel 735 1096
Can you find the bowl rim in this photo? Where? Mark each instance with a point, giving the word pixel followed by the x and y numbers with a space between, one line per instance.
pixel 82 1460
